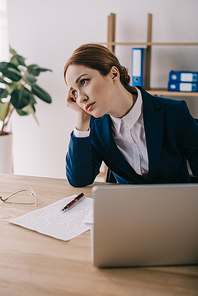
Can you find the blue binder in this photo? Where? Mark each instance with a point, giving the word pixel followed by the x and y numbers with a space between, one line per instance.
pixel 183 76
pixel 182 86
pixel 138 66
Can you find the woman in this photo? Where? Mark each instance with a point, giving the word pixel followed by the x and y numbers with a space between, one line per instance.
pixel 142 139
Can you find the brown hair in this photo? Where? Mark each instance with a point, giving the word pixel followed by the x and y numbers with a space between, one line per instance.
pixel 97 57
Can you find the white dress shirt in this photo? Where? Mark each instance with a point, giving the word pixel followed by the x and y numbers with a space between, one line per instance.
pixel 129 136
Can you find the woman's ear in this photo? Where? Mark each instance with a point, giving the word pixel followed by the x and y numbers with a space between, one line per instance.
pixel 115 74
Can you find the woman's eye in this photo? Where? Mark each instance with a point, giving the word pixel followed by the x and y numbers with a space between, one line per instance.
pixel 83 81
pixel 74 93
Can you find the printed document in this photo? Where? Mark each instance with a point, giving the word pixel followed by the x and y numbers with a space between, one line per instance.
pixel 60 225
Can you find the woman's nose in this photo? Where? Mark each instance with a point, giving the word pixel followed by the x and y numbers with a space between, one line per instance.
pixel 82 98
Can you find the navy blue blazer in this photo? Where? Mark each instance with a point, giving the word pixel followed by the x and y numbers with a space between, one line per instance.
pixel 171 137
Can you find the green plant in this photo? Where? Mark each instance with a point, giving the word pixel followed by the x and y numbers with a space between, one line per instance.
pixel 19 88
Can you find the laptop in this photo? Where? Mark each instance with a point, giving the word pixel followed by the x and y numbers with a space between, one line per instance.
pixel 145 225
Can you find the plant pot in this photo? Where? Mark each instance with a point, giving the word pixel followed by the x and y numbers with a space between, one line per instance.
pixel 6 154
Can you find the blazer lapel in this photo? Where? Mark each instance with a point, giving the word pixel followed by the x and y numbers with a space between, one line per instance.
pixel 153 122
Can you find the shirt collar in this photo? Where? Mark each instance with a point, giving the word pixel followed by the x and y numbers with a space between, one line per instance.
pixel 132 117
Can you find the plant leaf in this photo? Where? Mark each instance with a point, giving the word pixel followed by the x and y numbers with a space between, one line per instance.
pixel 12 51
pixel 3 81
pixel 29 78
pixel 4 66
pixel 14 71
pixel 36 70
pixel 11 86
pixel 20 98
pixel 18 60
pixel 31 96
pixel 10 71
pixel 22 112
pixel 21 60
pixel 41 93
pixel 3 93
pixel 29 109
pixel 14 60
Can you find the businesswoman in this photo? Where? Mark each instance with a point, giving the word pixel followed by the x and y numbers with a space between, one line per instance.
pixel 141 138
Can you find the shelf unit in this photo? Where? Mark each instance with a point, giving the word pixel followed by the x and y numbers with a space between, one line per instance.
pixel 111 43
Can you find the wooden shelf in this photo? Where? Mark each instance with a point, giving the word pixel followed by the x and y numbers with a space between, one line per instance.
pixel 164 92
pixel 151 43
pixel 111 43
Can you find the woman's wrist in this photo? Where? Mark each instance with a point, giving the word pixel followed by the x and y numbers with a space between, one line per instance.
pixel 83 121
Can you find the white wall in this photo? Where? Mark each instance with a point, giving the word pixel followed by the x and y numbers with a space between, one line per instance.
pixel 47 32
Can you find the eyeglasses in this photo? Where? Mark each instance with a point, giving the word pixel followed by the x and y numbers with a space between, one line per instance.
pixel 23 197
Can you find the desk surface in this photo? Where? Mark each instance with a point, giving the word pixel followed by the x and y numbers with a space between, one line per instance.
pixel 34 264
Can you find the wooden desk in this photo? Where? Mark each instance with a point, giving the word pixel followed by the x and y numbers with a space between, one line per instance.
pixel 32 264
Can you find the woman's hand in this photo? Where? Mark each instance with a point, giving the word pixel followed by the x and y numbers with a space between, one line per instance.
pixel 83 118
pixel 71 102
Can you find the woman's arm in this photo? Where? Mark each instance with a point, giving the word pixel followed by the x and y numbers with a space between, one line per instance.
pixel 82 162
pixel 83 118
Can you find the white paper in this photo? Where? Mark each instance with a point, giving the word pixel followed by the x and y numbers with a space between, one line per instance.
pixel 61 225
pixel 89 219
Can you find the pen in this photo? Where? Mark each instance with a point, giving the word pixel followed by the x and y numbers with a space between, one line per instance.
pixel 72 202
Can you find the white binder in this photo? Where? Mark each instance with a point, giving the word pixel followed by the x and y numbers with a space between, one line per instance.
pixel 138 66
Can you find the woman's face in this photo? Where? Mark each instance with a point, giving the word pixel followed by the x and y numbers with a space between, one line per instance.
pixel 92 92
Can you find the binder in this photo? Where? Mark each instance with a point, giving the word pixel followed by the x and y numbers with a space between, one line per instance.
pixel 182 86
pixel 138 66
pixel 183 76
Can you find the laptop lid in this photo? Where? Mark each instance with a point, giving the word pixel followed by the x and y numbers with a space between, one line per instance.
pixel 147 225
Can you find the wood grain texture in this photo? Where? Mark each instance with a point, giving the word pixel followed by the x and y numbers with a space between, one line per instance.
pixel 169 94
pixel 35 264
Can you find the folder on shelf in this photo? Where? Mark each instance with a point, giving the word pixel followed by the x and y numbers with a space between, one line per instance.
pixel 138 67
pixel 183 76
pixel 182 86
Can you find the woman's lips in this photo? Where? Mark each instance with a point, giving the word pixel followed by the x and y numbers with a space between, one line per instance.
pixel 88 107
